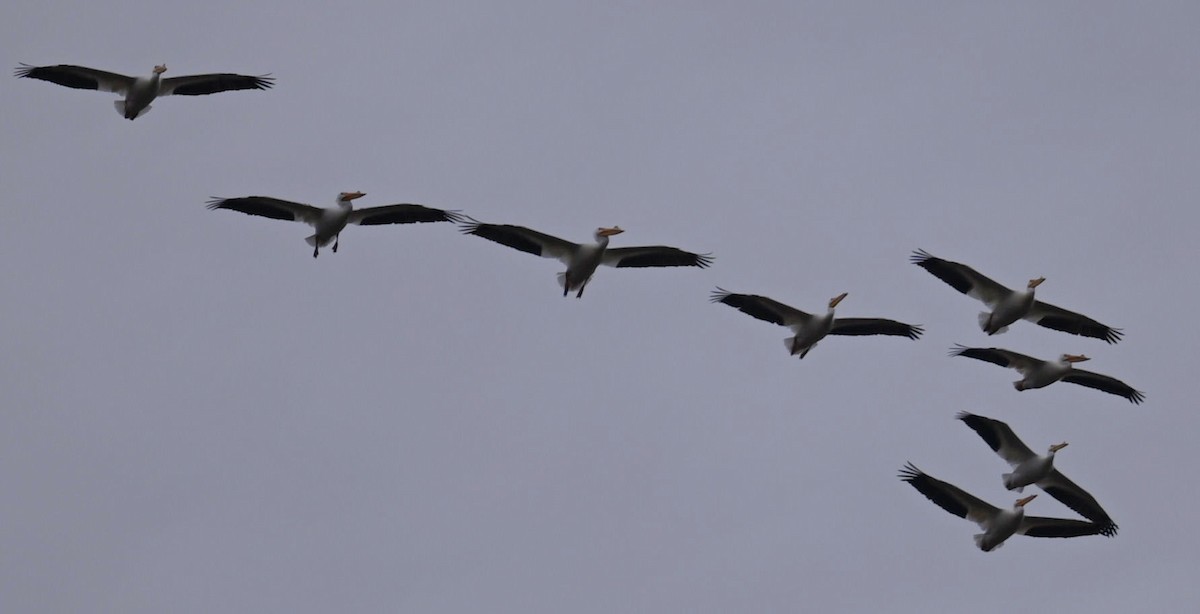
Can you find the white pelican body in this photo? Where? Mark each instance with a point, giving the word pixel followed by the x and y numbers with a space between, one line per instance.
pixel 997 524
pixel 139 92
pixel 330 222
pixel 808 329
pixel 1030 468
pixel 1008 306
pixel 583 260
pixel 1041 373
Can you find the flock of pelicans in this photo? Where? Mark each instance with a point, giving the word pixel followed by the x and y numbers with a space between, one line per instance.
pixel 1005 306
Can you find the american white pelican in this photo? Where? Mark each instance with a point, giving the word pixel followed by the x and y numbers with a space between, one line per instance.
pixel 809 328
pixel 1008 306
pixel 1030 468
pixel 329 222
pixel 997 524
pixel 139 92
pixel 1042 373
pixel 582 260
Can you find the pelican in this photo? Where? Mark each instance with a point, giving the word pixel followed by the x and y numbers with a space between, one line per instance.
pixel 1029 468
pixel 139 92
pixel 1008 306
pixel 330 222
pixel 1042 373
pixel 809 328
pixel 997 524
pixel 582 260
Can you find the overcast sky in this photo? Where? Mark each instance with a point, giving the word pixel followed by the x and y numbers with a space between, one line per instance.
pixel 199 417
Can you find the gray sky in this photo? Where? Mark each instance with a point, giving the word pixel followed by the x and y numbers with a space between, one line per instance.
pixel 199 417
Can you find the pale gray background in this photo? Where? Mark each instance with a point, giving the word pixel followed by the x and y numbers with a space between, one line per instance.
pixel 199 417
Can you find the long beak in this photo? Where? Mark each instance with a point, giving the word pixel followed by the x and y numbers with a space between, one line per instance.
pixel 608 232
pixel 1058 446
pixel 833 302
pixel 1022 502
pixel 1033 283
pixel 1077 358
pixel 354 195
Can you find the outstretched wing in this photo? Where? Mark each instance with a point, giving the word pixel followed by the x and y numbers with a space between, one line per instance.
pixel 402 214
pixel 874 326
pixel 265 206
pixel 962 278
pixel 761 307
pixel 1057 318
pixel 78 77
pixel 522 238
pixel 654 256
pixel 1108 384
pixel 199 85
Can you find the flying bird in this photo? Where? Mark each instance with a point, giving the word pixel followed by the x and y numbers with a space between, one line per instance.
pixel 809 328
pixel 1030 468
pixel 582 260
pixel 997 524
pixel 1008 306
pixel 1042 373
pixel 329 222
pixel 139 92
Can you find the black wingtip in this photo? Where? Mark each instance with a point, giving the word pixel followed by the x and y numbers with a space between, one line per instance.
pixel 704 260
pixel 910 472
pixel 1109 530
pixel 915 331
pixel 213 203
pixel 957 349
pixel 24 70
pixel 919 256
pixel 1136 397
pixel 1113 335
pixel 719 295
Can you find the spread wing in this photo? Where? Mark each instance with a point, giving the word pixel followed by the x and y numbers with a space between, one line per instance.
pixel 1108 384
pixel 1057 318
pixel 78 77
pixel 1071 495
pixel 265 206
pixel 402 214
pixel 199 85
pixel 522 238
pixel 874 326
pixel 761 307
pixel 999 437
pixel 962 278
pixel 654 256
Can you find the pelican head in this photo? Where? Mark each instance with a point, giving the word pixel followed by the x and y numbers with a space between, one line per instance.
pixel 608 232
pixel 1074 358
pixel 1021 502
pixel 1058 446
pixel 833 302
pixel 160 69
pixel 1033 283
pixel 349 196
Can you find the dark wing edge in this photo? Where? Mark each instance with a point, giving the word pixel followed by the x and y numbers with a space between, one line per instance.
pixel 993 355
pixel 657 256
pixel 1057 318
pixel 1083 503
pixel 875 326
pixel 68 75
pixel 407 214
pixel 933 489
pixel 1041 526
pixel 1105 383
pixel 200 85
pixel 508 235
pixel 759 307
pixel 251 205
